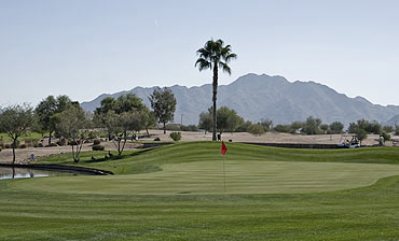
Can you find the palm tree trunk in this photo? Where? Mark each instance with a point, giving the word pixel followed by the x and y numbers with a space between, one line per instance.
pixel 214 98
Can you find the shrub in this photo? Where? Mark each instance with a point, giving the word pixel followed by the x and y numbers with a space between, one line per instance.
pixel 97 142
pixel 22 146
pixel 7 146
pixel 39 145
pixel 62 142
pixel 157 139
pixel 386 136
pixel 176 136
pixel 256 129
pixel 98 147
pixel 282 128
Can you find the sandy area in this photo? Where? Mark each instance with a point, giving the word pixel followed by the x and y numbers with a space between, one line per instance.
pixel 24 154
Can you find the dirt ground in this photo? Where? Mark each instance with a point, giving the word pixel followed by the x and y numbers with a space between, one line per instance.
pixel 23 155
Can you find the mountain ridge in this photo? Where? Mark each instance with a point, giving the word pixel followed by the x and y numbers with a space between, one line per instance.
pixel 257 97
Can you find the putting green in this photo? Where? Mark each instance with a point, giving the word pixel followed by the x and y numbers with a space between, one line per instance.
pixel 206 177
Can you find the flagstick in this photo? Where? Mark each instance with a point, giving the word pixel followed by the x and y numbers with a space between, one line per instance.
pixel 224 175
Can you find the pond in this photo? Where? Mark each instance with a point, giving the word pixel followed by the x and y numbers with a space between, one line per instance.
pixel 17 173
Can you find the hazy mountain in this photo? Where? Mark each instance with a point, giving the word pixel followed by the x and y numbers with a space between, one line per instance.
pixel 257 97
pixel 393 121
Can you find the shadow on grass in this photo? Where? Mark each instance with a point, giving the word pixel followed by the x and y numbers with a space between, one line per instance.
pixel 107 157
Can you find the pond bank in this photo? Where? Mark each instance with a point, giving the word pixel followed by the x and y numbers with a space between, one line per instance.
pixel 59 168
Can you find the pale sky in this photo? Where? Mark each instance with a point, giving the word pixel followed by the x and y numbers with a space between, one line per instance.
pixel 83 48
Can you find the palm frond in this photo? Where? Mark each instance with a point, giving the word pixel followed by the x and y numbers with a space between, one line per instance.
pixel 203 64
pixel 225 67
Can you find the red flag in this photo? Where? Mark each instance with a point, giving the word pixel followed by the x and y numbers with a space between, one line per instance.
pixel 223 149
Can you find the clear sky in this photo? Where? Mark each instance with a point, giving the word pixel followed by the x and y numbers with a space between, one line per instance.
pixel 83 48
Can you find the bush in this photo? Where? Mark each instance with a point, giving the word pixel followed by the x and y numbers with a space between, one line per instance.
pixel 176 136
pixel 282 128
pixel 157 139
pixel 39 145
pixel 256 129
pixel 22 146
pixel 7 146
pixel 98 147
pixel 386 136
pixel 62 142
pixel 97 142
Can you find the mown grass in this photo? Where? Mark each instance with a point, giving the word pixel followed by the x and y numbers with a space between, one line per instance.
pixel 48 209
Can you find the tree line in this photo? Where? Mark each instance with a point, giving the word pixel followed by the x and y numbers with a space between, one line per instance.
pixel 64 119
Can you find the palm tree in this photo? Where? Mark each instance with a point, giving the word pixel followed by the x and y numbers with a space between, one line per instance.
pixel 215 55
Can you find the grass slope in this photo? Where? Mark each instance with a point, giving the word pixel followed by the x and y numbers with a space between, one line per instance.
pixel 49 209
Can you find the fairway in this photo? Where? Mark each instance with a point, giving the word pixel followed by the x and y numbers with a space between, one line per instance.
pixel 207 177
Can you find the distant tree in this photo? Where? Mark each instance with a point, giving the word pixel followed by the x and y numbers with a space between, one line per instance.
pixel 15 121
pixel 312 126
pixel 215 55
pixel 256 129
pixel 296 125
pixel 324 128
pixel 163 103
pixel 124 123
pixel 361 134
pixel 128 103
pixel 336 127
pixel 227 119
pixel 266 124
pixel 283 128
pixel 388 129
pixel 374 127
pixel 106 105
pixel 205 121
pixel 353 127
pixel 397 129
pixel 46 110
pixel 122 116
pixel 70 124
pixel 244 126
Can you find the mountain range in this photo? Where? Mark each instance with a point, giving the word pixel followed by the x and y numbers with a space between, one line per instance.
pixel 257 97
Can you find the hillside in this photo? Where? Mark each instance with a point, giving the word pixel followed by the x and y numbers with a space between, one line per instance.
pixel 257 97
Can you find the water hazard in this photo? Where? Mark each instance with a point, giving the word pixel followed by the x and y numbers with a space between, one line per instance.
pixel 18 173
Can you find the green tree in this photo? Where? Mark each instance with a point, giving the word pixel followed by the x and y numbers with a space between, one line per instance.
pixel 256 129
pixel 215 55
pixel 336 127
pixel 46 110
pixel 163 102
pixel 267 124
pixel 15 121
pixel 70 124
pixel 361 134
pixel 227 119
pixel 122 116
pixel 205 121
pixel 312 126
